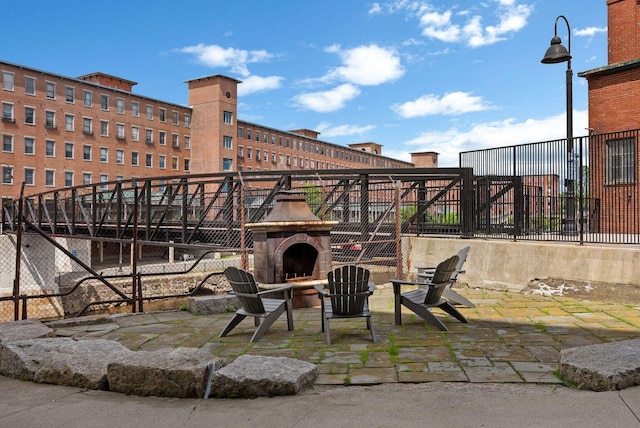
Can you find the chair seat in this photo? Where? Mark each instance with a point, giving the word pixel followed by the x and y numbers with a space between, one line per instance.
pixel 328 313
pixel 418 296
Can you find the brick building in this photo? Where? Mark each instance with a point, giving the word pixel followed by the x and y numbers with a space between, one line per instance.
pixel 59 131
pixel 614 103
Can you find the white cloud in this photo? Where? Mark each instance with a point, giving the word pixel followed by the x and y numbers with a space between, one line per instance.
pixel 452 103
pixel 489 135
pixel 235 59
pixel 589 31
pixel 255 83
pixel 329 131
pixel 328 101
pixel 366 65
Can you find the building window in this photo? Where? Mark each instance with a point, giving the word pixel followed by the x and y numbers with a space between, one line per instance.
pixel 258 155
pixel 7 143
pixel 7 80
pixel 228 117
pixel 49 178
pixel 120 131
pixel 149 137
pixel 68 179
pixel 120 157
pixel 50 119
pixel 175 118
pixel 266 156
pixel 104 102
pixel 104 178
pixel 175 141
pixel 29 176
pixel 29 86
pixel 281 159
pixel 240 151
pixel 7 112
pixel 68 150
pixel 163 138
pixel 621 161
pixel 280 141
pixel 249 152
pixel 120 105
pixel 248 134
pixel 135 133
pixel 29 146
pixel 266 138
pixel 7 174
pixel 104 128
pixel 187 121
pixel 135 158
pixel 163 115
pixel 135 109
pixel 226 164
pixel 87 126
pixel 162 162
pixel 88 98
pixel 86 178
pixel 150 112
pixel 227 142
pixel 175 163
pixel 149 160
pixel 187 142
pixel 187 164
pixel 68 122
pixel 240 132
pixel 86 152
pixel 50 148
pixel 50 90
pixel 258 136
pixel 29 115
pixel 70 94
pixel 104 154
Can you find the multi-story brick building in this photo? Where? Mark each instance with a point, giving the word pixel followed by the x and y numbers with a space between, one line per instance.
pixel 614 103
pixel 59 131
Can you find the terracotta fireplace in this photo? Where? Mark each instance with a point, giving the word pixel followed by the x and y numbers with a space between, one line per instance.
pixel 292 244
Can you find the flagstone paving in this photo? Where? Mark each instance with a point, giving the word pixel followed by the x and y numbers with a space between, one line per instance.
pixel 510 338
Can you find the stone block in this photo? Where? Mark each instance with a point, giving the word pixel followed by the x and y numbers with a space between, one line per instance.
pixel 216 304
pixel 602 367
pixel 255 375
pixel 181 372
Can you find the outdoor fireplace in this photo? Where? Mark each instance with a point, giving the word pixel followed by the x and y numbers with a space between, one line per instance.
pixel 292 244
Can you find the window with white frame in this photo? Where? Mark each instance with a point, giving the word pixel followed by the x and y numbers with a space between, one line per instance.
pixel 68 150
pixel 7 174
pixel 135 133
pixel 29 176
pixel 187 120
pixel 266 138
pixel 104 102
pixel 69 122
pixel 87 126
pixel 135 158
pixel 50 90
pixel 266 156
pixel 70 94
pixel 86 178
pixel 7 112
pixel 49 177
pixel 149 136
pixel 50 119
pixel 175 142
pixel 249 152
pixel 227 164
pixel 150 112
pixel 148 160
pixel 120 157
pixel 7 143
pixel 29 146
pixel 119 105
pixel 29 85
pixel 187 164
pixel 248 133
pixel 120 131
pixel 187 142
pixel 104 154
pixel 175 117
pixel 227 142
pixel 175 163
pixel 258 136
pixel 68 179
pixel 162 137
pixel 258 158
pixel 88 98
pixel 86 152
pixel 29 115
pixel 50 148
pixel 162 162
pixel 240 132
pixel 104 128
pixel 104 178
pixel 7 80
pixel 163 115
pixel 240 151
pixel 135 109
pixel 228 117
pixel 621 161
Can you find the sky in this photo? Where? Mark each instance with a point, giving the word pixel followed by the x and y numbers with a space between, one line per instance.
pixel 438 75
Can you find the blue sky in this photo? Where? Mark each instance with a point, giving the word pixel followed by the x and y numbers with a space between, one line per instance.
pixel 444 76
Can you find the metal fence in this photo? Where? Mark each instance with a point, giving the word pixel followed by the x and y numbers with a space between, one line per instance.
pixel 133 243
pixel 584 191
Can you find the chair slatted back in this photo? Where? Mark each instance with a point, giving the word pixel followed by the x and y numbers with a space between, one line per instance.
pixel 348 289
pixel 441 277
pixel 462 255
pixel 243 283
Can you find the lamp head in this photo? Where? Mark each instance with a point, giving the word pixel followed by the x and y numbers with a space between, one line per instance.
pixel 556 52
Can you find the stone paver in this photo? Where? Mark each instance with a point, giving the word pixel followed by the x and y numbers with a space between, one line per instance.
pixel 510 338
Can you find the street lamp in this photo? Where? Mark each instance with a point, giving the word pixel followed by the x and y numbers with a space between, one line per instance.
pixel 554 55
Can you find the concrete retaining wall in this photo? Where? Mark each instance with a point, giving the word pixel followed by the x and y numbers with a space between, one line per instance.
pixel 506 265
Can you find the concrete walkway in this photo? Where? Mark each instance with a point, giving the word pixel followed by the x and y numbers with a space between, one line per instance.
pixel 510 338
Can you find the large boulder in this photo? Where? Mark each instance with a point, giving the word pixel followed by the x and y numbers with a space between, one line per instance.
pixel 181 372
pixel 602 367
pixel 255 375
pixel 61 361
pixel 23 330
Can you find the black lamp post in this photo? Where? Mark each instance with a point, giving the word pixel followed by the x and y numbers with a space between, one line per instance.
pixel 554 55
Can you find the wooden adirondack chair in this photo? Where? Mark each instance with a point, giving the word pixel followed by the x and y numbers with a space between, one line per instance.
pixel 425 274
pixel 255 305
pixel 347 297
pixel 423 299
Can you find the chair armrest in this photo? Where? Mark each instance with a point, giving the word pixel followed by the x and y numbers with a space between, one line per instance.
pixel 372 287
pixel 321 290
pixel 398 282
pixel 276 290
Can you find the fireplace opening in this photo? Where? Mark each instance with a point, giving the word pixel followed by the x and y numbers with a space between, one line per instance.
pixel 299 262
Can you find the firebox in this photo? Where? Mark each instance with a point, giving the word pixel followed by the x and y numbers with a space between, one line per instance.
pixel 291 244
